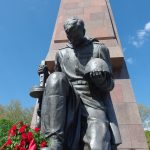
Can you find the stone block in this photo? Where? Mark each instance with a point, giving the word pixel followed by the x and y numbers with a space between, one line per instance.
pixel 117 94
pixel 126 88
pixel 57 46
pixel 74 12
pixel 127 91
pixel 35 117
pixel 95 9
pixel 127 113
pixel 115 51
pixel 98 2
pixel 125 135
pixel 132 137
pixel 51 55
pixel 70 5
pixel 138 139
pixel 85 4
pixel 122 72
pixel 110 43
pixel 95 16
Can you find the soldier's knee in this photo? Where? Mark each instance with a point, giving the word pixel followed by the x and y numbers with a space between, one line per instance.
pixel 56 78
pixel 57 84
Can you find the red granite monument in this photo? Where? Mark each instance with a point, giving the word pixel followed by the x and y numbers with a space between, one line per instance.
pixel 100 24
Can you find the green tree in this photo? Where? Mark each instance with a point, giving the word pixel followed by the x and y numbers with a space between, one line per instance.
pixel 15 113
pixel 1 111
pixel 145 114
pixel 145 117
pixel 11 114
pixel 147 134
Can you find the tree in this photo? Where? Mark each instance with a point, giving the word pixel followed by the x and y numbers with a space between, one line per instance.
pixel 1 111
pixel 145 117
pixel 147 134
pixel 15 113
pixel 145 114
pixel 11 114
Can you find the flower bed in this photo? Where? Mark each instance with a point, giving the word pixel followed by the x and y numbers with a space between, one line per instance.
pixel 22 137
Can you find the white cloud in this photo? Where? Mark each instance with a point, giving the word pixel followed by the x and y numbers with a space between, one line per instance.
pixel 147 27
pixel 135 43
pixel 138 43
pixel 141 36
pixel 130 60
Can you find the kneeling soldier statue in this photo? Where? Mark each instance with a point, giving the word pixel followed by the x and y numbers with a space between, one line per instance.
pixel 76 111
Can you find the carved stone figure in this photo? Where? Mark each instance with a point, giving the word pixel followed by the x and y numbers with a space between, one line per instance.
pixel 77 113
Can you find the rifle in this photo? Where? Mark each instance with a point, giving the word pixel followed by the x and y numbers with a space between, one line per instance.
pixel 37 91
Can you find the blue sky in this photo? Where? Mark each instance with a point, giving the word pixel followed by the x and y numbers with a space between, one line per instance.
pixel 133 23
pixel 26 27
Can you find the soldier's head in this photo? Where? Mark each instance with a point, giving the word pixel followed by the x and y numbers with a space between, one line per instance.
pixel 75 31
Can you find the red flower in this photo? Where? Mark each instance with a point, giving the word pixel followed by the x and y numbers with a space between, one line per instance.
pixel 11 133
pixel 24 136
pixel 22 143
pixel 17 147
pixel 36 129
pixel 9 142
pixel 22 129
pixel 32 145
pixel 14 127
pixel 43 144
pixel 22 148
pixel 20 123
pixel 30 136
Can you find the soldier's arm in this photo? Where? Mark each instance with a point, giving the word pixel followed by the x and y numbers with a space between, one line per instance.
pixel 104 54
pixel 108 85
pixel 57 62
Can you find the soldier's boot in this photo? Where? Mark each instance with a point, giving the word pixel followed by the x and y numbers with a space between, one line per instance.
pixel 97 134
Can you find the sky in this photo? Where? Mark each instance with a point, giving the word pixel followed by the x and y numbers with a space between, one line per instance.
pixel 26 28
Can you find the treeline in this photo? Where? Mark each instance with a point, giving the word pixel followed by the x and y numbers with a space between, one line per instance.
pixel 145 118
pixel 11 114
pixel 145 115
pixel 14 112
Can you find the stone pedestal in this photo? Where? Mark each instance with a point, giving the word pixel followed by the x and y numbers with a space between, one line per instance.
pixel 100 24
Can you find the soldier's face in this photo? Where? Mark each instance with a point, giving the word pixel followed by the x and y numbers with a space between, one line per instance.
pixel 76 35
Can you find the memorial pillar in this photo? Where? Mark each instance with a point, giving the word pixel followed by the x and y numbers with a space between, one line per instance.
pixel 100 24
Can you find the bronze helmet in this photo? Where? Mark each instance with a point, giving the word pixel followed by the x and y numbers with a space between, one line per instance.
pixel 94 65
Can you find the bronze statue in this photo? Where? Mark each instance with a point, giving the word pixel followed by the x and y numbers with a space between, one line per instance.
pixel 76 112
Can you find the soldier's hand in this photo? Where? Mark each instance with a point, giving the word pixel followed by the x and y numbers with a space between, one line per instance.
pixel 98 76
pixel 114 147
pixel 42 69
